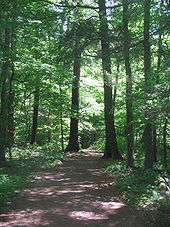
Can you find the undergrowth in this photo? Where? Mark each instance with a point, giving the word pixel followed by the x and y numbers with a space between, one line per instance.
pixel 141 188
pixel 138 186
pixel 26 163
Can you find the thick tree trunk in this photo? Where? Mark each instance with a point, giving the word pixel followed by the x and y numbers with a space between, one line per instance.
pixel 73 144
pixel 35 115
pixel 5 93
pixel 129 98
pixel 148 135
pixel 111 149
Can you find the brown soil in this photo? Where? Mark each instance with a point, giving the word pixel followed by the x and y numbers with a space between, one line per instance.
pixel 77 194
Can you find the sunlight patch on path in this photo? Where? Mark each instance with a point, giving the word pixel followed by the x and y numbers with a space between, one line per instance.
pixel 84 215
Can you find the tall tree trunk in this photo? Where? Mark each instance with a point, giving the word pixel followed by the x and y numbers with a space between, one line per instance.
pixel 35 115
pixel 157 82
pixel 11 124
pixel 129 100
pixel 73 144
pixel 61 122
pixel 111 149
pixel 115 87
pixel 148 135
pixel 5 93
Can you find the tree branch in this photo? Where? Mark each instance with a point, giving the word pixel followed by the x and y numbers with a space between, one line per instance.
pixel 79 6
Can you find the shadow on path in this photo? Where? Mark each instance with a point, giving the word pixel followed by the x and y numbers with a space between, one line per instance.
pixel 77 194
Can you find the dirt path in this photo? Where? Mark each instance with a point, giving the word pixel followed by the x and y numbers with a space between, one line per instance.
pixel 77 194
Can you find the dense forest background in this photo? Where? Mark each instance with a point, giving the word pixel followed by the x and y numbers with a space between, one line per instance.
pixel 53 67
pixel 79 73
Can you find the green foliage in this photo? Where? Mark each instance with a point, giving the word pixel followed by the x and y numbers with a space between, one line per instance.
pixel 138 186
pixel 9 183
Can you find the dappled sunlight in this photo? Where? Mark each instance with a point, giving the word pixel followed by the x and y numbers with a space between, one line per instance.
pixel 108 207
pixel 49 176
pixel 84 215
pixel 95 172
pixel 84 196
pixel 24 218
pixel 45 192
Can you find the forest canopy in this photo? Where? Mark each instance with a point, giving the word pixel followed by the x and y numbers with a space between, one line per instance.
pixel 84 74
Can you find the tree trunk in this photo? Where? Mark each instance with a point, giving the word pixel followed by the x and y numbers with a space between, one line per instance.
pixel 157 82
pixel 154 135
pixel 11 124
pixel 73 144
pixel 61 122
pixel 111 149
pixel 148 135
pixel 35 115
pixel 115 87
pixel 129 98
pixel 164 143
pixel 5 93
pixel 49 136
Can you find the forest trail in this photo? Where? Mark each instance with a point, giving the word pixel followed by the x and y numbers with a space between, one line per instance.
pixel 77 194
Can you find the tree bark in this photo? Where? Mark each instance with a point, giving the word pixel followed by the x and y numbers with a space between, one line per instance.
pixel 115 87
pixel 61 122
pixel 11 124
pixel 49 134
pixel 129 98
pixel 73 144
pixel 111 149
pixel 159 53
pixel 5 93
pixel 148 135
pixel 35 115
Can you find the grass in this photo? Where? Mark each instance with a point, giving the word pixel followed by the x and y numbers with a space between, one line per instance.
pixel 27 162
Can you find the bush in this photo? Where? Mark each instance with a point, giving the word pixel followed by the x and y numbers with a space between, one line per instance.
pixel 139 186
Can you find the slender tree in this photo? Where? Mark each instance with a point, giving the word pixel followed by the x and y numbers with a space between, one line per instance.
pixel 61 121
pixel 148 130
pixel 165 143
pixel 73 144
pixel 5 92
pixel 115 86
pixel 129 98
pixel 11 110
pixel 111 148
pixel 35 115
